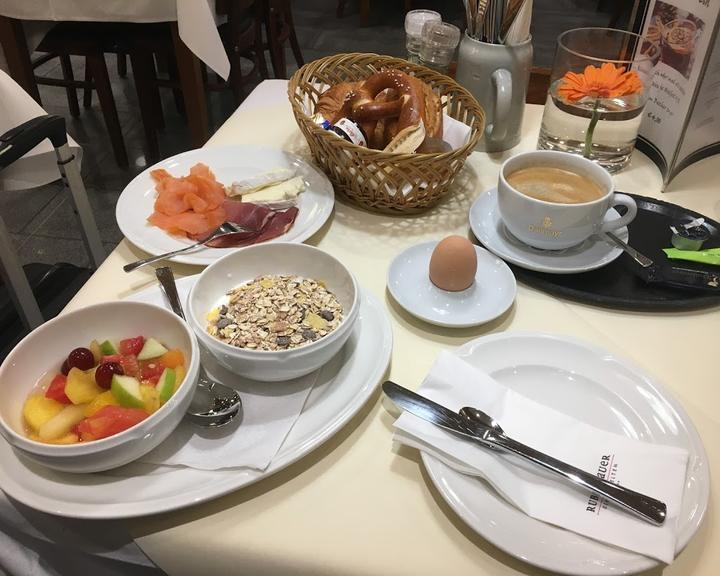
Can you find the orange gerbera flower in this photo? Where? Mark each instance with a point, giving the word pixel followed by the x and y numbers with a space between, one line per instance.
pixel 607 81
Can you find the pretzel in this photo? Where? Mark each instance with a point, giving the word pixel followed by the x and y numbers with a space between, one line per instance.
pixel 332 103
pixel 396 111
pixel 411 100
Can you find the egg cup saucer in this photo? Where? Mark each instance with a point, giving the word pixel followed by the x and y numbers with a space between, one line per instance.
pixel 492 293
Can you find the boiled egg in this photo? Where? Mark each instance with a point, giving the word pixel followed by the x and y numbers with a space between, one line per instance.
pixel 453 264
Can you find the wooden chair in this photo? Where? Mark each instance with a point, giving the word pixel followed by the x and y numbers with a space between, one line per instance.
pixel 87 40
pixel 277 18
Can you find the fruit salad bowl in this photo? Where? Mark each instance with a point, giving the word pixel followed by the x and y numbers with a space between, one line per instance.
pixel 293 336
pixel 44 353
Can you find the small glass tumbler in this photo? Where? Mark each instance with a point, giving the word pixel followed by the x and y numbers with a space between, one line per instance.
pixel 598 88
pixel 439 41
pixel 414 22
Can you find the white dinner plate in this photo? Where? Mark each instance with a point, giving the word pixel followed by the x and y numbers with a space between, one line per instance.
pixel 343 387
pixel 593 386
pixel 492 293
pixel 228 163
pixel 595 252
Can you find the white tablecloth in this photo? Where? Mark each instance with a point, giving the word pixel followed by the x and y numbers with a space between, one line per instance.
pixel 196 19
pixel 354 506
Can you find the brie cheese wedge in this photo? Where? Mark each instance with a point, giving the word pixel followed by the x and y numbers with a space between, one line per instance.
pixel 260 181
pixel 287 190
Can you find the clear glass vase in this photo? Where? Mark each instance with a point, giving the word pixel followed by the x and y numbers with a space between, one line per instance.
pixel 598 89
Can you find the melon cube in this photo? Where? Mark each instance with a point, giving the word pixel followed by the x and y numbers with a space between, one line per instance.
pixel 81 387
pixel 151 398
pixel 107 398
pixel 39 409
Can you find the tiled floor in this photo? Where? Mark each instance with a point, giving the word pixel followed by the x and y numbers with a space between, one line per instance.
pixel 42 221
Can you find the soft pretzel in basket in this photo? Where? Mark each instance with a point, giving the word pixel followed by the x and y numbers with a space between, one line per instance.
pixel 397 112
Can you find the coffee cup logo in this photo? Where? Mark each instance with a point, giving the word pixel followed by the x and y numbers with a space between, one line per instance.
pixel 545 228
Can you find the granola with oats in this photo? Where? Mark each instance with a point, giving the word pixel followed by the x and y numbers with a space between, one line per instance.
pixel 275 312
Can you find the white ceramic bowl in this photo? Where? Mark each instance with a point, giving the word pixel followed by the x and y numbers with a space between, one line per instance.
pixel 276 258
pixel 44 350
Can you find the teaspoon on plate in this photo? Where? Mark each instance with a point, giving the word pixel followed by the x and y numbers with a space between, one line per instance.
pixel 213 404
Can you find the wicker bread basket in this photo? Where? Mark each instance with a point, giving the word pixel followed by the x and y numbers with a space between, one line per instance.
pixel 381 181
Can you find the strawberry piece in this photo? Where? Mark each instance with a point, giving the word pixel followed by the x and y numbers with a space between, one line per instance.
pixel 151 370
pixel 132 346
pixel 130 365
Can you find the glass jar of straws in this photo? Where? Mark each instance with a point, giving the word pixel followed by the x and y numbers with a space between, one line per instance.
pixel 598 89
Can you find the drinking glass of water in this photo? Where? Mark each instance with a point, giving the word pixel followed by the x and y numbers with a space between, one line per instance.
pixel 439 41
pixel 598 88
pixel 414 22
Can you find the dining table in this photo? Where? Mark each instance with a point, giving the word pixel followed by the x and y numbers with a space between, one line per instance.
pixel 194 35
pixel 357 505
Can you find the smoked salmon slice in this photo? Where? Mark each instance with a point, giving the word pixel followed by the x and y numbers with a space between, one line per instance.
pixel 189 205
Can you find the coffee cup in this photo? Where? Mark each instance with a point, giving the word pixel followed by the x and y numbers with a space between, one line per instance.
pixel 554 200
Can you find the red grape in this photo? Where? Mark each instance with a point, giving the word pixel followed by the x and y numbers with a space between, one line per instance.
pixel 65 368
pixel 81 358
pixel 104 373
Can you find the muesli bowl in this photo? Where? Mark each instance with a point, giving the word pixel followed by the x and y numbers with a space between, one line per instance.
pixel 250 322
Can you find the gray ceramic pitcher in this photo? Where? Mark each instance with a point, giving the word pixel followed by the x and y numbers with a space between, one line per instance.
pixel 497 75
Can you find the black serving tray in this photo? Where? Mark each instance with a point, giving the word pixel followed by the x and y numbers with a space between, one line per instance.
pixel 615 285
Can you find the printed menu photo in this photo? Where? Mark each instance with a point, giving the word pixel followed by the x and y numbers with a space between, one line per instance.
pixel 682 116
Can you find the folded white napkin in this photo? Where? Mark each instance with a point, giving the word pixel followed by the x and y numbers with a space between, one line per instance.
pixel 658 471
pixel 270 409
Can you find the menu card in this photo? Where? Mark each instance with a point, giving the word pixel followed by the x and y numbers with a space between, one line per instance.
pixel 682 116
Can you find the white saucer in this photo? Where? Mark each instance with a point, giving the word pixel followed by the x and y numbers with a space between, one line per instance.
pixel 492 293
pixel 487 226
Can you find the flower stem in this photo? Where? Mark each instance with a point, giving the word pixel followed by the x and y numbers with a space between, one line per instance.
pixel 589 134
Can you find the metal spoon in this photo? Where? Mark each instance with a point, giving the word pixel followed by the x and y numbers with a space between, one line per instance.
pixel 489 431
pixel 225 229
pixel 213 404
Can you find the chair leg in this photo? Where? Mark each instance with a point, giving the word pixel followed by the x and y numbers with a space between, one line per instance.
pixel 364 12
pixel 258 42
pixel 67 73
pixel 157 101
pixel 173 75
pixel 87 92
pixel 121 64
pixel 144 74
pixel 294 44
pixel 273 27
pixel 98 70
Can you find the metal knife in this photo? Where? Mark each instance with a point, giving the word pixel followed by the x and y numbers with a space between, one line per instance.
pixel 676 277
pixel 645 507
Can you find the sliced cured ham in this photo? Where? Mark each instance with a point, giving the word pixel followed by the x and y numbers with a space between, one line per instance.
pixel 262 223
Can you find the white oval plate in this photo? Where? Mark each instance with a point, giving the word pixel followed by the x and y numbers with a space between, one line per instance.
pixel 491 295
pixel 487 226
pixel 142 489
pixel 228 163
pixel 596 387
